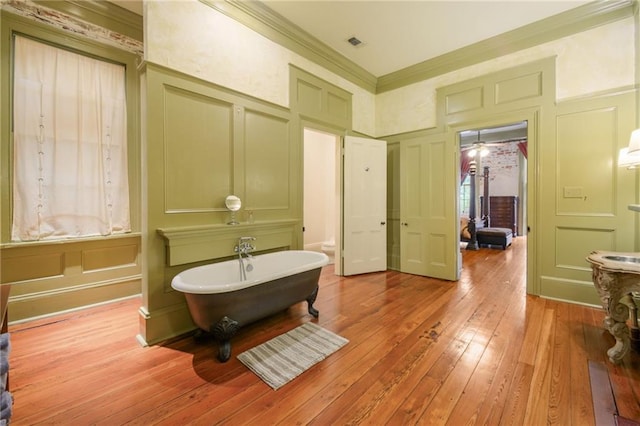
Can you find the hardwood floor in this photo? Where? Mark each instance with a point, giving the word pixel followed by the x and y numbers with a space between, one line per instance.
pixel 421 351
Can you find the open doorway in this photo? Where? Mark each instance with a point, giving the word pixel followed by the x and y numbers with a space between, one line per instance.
pixel 493 186
pixel 322 206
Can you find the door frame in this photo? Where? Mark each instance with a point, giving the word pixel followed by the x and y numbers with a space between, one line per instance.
pixel 339 134
pixel 530 228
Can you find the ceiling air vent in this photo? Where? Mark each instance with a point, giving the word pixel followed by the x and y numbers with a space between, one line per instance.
pixel 354 41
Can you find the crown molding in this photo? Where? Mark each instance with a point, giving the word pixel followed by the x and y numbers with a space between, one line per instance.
pixel 262 19
pixel 270 24
pixel 101 13
pixel 573 21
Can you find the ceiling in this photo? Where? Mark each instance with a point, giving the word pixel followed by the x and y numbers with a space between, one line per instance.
pixel 396 34
pixel 134 6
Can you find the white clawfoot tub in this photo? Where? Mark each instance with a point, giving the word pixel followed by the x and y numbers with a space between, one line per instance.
pixel 220 302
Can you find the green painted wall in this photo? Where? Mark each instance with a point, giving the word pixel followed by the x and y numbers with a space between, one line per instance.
pixel 202 143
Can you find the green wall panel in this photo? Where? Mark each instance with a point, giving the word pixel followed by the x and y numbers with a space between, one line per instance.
pixel 103 258
pixel 570 259
pixel 522 87
pixel 583 192
pixel 32 265
pixel 338 107
pixel 319 100
pixel 586 166
pixel 309 98
pixel 198 146
pixel 267 162
pixel 467 100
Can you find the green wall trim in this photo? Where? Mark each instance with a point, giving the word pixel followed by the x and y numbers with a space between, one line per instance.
pixel 46 303
pixel 164 323
pixel 189 244
pixel 101 13
pixel 564 24
pixel 270 24
pixel 570 291
pixel 601 94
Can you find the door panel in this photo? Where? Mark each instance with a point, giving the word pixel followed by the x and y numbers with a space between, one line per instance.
pixel 413 244
pixel 440 210
pixel 427 224
pixel 365 206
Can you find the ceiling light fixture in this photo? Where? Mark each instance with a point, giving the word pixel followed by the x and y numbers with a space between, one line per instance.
pixel 478 147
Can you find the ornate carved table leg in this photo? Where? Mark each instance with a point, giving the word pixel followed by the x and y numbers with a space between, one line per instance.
pixel 614 278
pixel 310 301
pixel 616 323
pixel 223 331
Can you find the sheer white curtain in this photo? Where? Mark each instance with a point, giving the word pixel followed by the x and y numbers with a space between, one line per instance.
pixel 70 145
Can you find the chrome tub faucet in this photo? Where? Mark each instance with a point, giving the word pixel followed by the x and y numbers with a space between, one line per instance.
pixel 244 247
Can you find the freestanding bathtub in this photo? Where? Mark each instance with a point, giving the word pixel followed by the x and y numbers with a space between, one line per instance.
pixel 220 302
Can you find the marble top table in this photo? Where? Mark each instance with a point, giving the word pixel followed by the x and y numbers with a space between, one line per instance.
pixel 615 275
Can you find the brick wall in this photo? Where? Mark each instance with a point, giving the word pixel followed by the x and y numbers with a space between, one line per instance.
pixel 504 169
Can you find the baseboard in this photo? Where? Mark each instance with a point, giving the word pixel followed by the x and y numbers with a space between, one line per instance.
pixel 564 290
pixel 47 303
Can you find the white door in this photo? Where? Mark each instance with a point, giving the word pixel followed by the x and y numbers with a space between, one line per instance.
pixel 365 206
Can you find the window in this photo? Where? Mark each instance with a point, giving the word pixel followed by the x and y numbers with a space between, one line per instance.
pixel 70 145
pixel 465 196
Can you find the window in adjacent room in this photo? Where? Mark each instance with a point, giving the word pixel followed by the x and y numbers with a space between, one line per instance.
pixel 70 145
pixel 465 196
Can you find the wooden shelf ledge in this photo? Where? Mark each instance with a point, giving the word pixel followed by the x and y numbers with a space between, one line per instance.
pixel 190 244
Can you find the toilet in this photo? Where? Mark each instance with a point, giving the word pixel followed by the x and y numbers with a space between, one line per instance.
pixel 329 248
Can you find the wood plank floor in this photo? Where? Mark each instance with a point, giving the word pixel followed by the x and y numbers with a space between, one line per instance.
pixel 421 351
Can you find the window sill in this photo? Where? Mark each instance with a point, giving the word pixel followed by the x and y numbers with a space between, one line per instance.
pixel 15 244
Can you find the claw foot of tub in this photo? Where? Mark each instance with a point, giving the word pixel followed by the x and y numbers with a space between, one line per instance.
pixel 310 300
pixel 223 331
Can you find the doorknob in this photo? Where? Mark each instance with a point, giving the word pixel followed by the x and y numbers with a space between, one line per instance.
pixel 404 224
pixel 382 223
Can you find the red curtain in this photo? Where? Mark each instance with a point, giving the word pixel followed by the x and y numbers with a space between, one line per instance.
pixel 465 165
pixel 522 146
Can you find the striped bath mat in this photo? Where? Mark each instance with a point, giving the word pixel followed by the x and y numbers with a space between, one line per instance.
pixel 285 357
